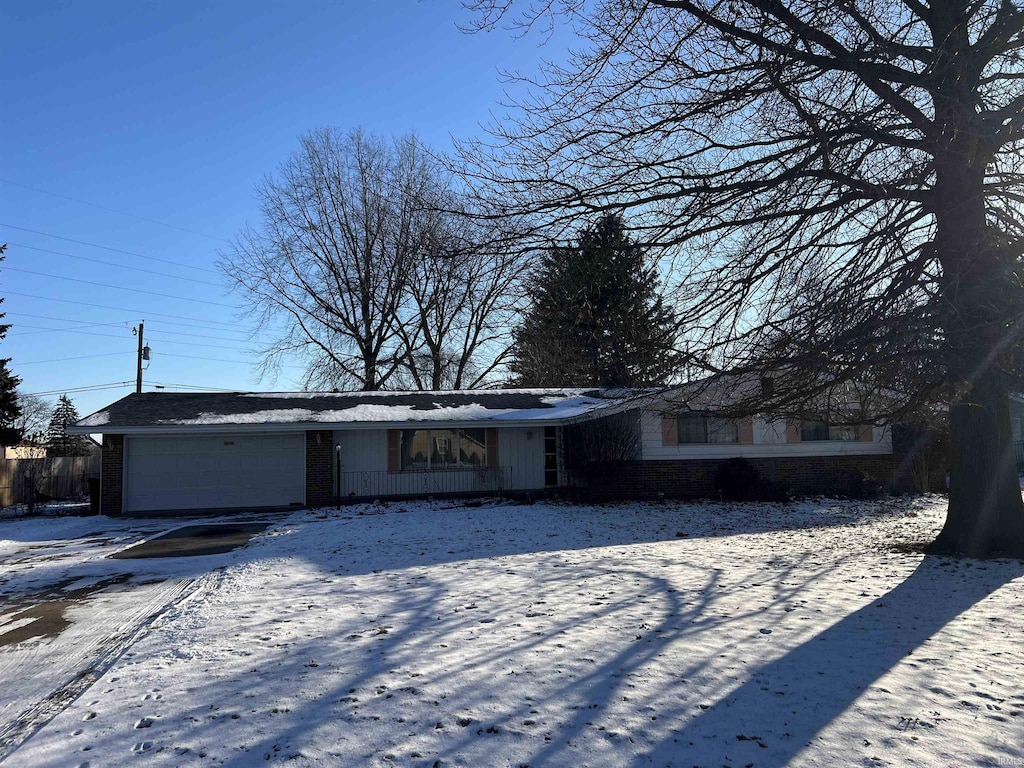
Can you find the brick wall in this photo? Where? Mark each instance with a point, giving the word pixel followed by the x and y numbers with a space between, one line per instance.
pixel 112 475
pixel 319 468
pixel 695 478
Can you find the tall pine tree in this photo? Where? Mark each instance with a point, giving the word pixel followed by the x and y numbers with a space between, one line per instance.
pixel 596 316
pixel 9 409
pixel 58 443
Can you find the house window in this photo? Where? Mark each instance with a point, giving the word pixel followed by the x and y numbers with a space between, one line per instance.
pixel 817 431
pixel 443 448
pixel 703 428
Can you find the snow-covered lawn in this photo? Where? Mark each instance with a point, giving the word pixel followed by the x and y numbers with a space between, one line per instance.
pixel 553 635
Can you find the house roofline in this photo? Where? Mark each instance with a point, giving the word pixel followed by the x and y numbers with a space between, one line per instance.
pixel 304 426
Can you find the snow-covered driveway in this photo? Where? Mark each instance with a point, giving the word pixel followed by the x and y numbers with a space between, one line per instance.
pixel 550 635
pixel 67 612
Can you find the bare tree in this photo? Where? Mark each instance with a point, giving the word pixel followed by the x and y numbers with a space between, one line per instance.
pixel 838 183
pixel 462 294
pixel 34 418
pixel 370 271
pixel 332 255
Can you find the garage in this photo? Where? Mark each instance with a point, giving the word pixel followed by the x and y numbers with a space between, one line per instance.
pixel 214 472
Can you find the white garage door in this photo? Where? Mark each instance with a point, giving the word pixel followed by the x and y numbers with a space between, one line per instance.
pixel 214 472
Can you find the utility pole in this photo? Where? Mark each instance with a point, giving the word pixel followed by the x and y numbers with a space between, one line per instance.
pixel 138 370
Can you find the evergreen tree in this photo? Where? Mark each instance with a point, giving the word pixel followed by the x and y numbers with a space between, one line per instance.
pixel 596 316
pixel 57 442
pixel 9 409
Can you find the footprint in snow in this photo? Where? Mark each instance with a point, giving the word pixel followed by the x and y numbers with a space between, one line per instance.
pixel 142 746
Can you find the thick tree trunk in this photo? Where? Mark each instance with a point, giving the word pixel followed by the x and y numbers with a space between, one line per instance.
pixel 986 514
pixel 979 294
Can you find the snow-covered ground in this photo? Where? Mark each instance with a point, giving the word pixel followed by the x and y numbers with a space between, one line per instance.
pixel 67 613
pixel 429 634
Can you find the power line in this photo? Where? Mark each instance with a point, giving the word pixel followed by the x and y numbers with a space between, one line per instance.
pixel 120 287
pixel 198 335
pixel 108 248
pixel 115 264
pixel 213 359
pixel 140 312
pixel 63 359
pixel 190 386
pixel 221 360
pixel 194 325
pixel 119 385
pixel 62 319
pixel 46 329
pixel 15 334
pixel 193 344
pixel 88 388
pixel 124 322
pixel 114 210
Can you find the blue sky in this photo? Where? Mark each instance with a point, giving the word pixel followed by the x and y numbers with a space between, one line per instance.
pixel 172 112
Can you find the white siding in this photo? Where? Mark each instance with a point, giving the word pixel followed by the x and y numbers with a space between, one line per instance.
pixel 522 448
pixel 365 451
pixel 769 432
pixel 766 443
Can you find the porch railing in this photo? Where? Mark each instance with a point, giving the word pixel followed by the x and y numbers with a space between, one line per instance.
pixel 425 482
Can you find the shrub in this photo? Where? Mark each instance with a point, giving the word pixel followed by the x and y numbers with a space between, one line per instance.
pixel 858 485
pixel 766 490
pixel 737 480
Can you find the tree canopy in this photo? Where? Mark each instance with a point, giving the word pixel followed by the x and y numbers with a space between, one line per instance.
pixel 837 183
pixel 363 267
pixel 596 317
pixel 58 442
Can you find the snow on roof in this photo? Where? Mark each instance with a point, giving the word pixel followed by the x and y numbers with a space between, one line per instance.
pixel 97 419
pixel 159 409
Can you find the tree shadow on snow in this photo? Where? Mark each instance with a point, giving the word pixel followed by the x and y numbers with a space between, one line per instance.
pixel 586 681
pixel 504 529
pixel 801 692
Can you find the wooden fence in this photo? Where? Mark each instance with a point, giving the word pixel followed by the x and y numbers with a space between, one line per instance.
pixel 56 478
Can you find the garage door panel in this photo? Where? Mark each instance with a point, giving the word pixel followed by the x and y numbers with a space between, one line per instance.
pixel 214 472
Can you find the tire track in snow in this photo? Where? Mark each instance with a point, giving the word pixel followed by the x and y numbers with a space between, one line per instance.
pixel 61 670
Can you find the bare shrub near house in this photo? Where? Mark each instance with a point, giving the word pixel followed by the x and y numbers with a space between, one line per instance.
pixel 31 472
pixel 592 449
